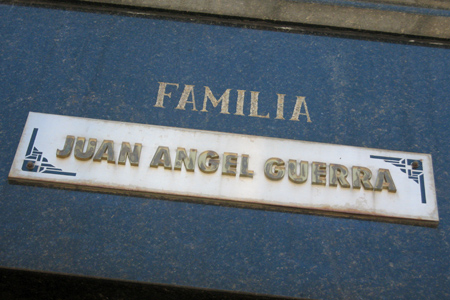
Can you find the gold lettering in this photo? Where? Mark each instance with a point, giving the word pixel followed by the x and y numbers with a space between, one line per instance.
pixel 67 149
pixel 161 158
pixel 208 161
pixel 240 103
pixel 361 175
pixel 245 172
pixel 162 93
pixel 297 110
pixel 254 106
pixel 90 149
pixel 229 163
pixel 384 181
pixel 274 168
pixel 339 173
pixel 182 157
pixel 280 106
pixel 106 152
pixel 188 90
pixel 225 99
pixel 292 171
pixel 319 173
pixel 133 157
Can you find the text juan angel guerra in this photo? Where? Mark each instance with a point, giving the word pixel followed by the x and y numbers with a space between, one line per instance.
pixel 209 161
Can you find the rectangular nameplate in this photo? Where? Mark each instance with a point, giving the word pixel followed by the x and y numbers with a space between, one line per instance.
pixel 225 168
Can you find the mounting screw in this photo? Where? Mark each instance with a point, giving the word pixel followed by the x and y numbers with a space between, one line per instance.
pixel 415 164
pixel 30 165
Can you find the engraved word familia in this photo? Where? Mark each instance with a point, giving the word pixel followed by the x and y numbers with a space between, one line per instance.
pixel 187 99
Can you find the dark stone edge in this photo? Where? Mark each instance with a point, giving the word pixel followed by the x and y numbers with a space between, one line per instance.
pixel 249 23
pixel 30 284
pixel 342 14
